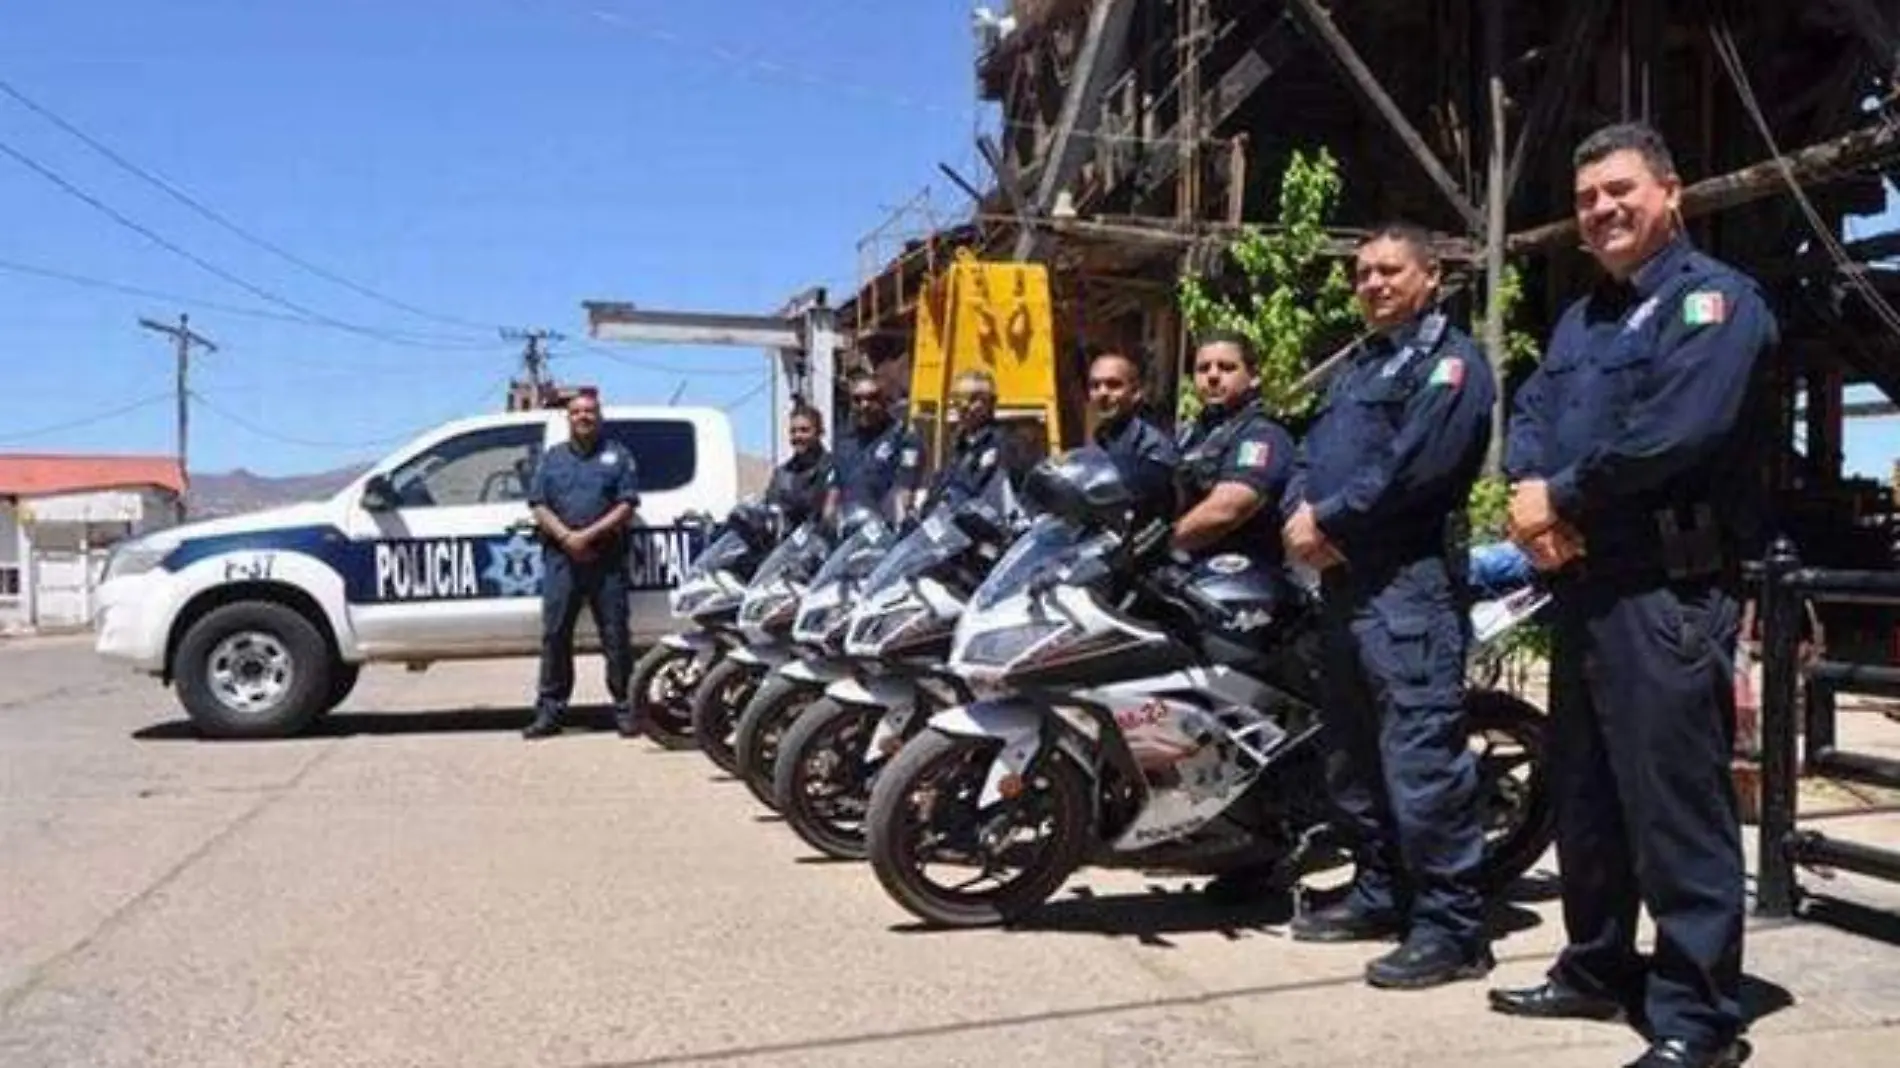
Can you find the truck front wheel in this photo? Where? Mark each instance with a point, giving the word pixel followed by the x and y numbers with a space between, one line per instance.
pixel 255 669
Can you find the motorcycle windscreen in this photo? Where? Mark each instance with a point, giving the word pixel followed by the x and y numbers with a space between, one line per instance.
pixel 855 554
pixel 1051 546
pixel 799 552
pixel 726 550
pixel 934 541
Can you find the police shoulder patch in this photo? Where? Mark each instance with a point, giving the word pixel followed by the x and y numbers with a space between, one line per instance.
pixel 1253 454
pixel 1704 307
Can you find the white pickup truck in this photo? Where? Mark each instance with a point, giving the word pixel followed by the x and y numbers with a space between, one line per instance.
pixel 262 622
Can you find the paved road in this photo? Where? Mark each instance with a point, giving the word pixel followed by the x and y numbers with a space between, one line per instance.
pixel 417 886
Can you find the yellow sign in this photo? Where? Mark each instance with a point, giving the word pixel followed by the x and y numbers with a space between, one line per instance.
pixel 994 317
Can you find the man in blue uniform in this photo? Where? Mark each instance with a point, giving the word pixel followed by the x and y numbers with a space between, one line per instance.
pixel 583 495
pixel 1634 455
pixel 798 485
pixel 1235 462
pixel 976 457
pixel 877 465
pixel 1377 507
pixel 1116 394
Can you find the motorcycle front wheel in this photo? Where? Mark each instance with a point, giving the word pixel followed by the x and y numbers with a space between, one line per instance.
pixel 716 706
pixel 662 691
pixel 924 812
pixel 821 782
pixel 770 713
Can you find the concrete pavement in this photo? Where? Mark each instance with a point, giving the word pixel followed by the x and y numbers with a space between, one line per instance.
pixel 418 886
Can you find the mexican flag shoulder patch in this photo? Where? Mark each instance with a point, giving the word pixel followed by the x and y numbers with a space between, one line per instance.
pixel 1449 372
pixel 1704 308
pixel 1253 454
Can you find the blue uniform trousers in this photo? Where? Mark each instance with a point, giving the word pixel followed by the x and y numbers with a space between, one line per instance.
pixel 1642 706
pixel 1400 765
pixel 567 586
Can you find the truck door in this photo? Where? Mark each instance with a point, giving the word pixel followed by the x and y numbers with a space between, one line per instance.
pixel 666 454
pixel 451 566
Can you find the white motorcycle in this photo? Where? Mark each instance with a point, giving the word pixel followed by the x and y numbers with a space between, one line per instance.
pixel 707 598
pixel 764 627
pixel 896 639
pixel 1138 714
pixel 817 651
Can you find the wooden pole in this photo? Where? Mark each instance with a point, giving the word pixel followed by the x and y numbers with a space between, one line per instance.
pixel 1494 233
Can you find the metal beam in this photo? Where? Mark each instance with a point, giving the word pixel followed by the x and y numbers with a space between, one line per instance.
pixel 619 321
pixel 1343 55
pixel 1100 54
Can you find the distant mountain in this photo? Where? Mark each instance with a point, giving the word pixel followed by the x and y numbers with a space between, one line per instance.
pixel 215 494
pixel 236 492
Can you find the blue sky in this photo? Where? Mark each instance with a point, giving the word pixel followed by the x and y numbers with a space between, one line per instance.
pixel 491 162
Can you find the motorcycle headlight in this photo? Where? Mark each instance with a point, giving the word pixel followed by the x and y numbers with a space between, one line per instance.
pixel 136 557
pixel 869 631
pixel 821 612
pixel 769 607
pixel 1007 645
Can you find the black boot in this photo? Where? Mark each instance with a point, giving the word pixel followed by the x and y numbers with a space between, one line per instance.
pixel 1429 960
pixel 1344 923
pixel 546 725
pixel 1552 1000
pixel 627 721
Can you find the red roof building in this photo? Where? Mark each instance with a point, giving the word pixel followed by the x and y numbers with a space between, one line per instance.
pixel 46 475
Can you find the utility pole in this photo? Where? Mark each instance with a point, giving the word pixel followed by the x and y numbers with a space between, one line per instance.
pixel 183 338
pixel 534 359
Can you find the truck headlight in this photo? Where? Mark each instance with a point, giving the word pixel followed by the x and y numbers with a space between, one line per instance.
pixel 136 557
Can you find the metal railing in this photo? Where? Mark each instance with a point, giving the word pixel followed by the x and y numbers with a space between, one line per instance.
pixel 1786 753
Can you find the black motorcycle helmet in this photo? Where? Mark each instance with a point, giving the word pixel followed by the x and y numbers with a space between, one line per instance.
pixel 1098 490
pixel 756 522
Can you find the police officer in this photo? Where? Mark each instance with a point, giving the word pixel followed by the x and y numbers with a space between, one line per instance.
pixel 977 455
pixel 583 494
pixel 1116 394
pixel 1377 504
pixel 798 485
pixel 1633 458
pixel 877 465
pixel 1235 462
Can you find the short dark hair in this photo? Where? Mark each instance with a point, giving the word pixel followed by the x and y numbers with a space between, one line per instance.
pixel 1639 137
pixel 1411 235
pixel 807 412
pixel 1136 361
pixel 1223 336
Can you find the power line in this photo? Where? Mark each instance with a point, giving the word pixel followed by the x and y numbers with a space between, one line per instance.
pixel 108 285
pixel 107 210
pixel 88 420
pixel 747 395
pixel 195 205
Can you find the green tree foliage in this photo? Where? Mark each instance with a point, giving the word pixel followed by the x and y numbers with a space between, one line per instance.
pixel 1293 296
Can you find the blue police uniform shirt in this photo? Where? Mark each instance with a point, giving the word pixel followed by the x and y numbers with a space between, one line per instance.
pixel 1132 437
pixel 866 469
pixel 798 485
pixel 1398 442
pixel 1640 404
pixel 581 487
pixel 1244 446
pixel 977 458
